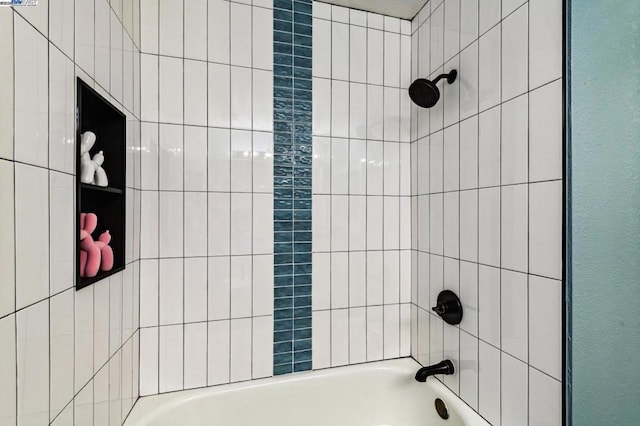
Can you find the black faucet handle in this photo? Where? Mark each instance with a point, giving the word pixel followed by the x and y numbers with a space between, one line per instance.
pixel 448 307
pixel 439 309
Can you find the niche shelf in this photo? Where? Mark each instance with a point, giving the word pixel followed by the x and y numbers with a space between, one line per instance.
pixel 96 114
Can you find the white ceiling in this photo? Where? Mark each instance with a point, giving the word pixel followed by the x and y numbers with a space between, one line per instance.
pixel 405 9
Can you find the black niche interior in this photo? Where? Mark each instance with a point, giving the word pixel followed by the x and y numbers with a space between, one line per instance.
pixel 98 115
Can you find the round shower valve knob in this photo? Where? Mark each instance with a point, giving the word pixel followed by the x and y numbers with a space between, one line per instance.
pixel 448 307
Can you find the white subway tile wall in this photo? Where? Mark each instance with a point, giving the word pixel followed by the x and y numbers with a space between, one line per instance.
pixel 406 202
pixel 486 186
pixel 207 194
pixel 66 357
pixel 361 187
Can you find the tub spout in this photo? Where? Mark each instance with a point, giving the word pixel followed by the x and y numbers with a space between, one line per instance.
pixel 443 367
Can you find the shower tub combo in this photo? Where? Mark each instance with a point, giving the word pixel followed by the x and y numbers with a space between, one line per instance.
pixel 381 393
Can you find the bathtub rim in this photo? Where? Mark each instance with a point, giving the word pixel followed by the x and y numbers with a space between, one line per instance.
pixel 147 407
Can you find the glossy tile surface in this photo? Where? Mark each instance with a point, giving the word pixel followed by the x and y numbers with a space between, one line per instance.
pixel 480 209
pixel 59 339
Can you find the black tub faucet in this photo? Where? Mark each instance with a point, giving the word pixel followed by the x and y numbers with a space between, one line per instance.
pixel 443 367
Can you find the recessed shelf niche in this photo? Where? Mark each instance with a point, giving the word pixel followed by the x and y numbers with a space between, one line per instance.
pixel 96 114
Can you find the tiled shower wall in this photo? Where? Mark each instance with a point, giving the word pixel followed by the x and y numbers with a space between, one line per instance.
pixel 483 192
pixel 361 187
pixel 207 193
pixel 207 286
pixel 487 203
pixel 66 357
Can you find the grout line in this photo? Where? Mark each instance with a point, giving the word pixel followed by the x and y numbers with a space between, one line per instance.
pixel 366 204
pixel 478 219
pixel 157 284
pixel 383 192
pixel 365 83
pixel 75 96
pixel 528 207
pixel 230 198
pixel 184 187
pixel 208 271
pixel 500 217
pixel 348 198
pixel 251 373
pixel 331 198
pixel 444 103
pixel 15 212
pixel 363 26
pixel 459 193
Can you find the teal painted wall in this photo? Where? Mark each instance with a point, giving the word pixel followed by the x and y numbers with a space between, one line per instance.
pixel 605 211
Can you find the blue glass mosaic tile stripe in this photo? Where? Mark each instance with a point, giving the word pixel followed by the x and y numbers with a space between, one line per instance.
pixel 292 161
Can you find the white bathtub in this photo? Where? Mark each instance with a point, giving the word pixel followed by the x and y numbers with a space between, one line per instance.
pixel 381 393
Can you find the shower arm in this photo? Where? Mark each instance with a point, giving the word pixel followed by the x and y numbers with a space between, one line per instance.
pixel 451 77
pixel 440 77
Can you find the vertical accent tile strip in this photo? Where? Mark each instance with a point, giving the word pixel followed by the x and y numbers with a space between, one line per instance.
pixel 292 49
